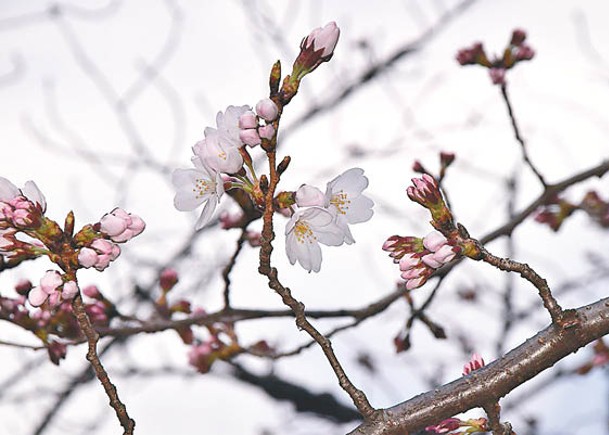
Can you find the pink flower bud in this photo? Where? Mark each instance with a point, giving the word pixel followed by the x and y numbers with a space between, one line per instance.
pixel 87 257
pixel 92 291
pixel 267 109
pixel 323 39
pixel 70 289
pixel 434 241
pixel 497 75
pixel 249 137
pixel 409 261
pixel 307 196
pixel 431 261
pixel 446 254
pixel 248 120
pixel 168 279
pixel 411 284
pixel 266 131
pixel 476 362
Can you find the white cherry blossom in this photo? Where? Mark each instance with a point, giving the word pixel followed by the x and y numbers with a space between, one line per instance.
pixel 307 228
pixel 196 186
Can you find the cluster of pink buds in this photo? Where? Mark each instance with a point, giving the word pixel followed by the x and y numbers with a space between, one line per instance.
pixel 476 362
pixel 426 192
pixel 453 426
pixel 516 51
pixel 419 258
pixel 118 226
pixel 20 208
pixel 53 288
pixel 252 132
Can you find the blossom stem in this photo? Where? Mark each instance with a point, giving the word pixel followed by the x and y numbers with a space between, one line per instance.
pixel 92 336
pixel 357 396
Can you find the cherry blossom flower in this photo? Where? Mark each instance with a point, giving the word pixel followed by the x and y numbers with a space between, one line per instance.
pixel 344 196
pixel 218 153
pixel 196 186
pixel 307 228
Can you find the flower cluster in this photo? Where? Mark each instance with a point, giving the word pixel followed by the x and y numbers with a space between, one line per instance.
pixel 419 258
pixel 451 425
pixel 516 51
pixel 219 158
pixel 25 233
pixel 325 218
pixel 60 322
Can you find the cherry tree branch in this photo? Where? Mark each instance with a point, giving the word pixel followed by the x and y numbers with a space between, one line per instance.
pixel 495 380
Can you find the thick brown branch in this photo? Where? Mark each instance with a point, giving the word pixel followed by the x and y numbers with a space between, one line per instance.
pixel 495 380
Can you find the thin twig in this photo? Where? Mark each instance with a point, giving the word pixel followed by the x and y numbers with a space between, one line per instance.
pixel 126 422
pixel 518 135
pixel 229 267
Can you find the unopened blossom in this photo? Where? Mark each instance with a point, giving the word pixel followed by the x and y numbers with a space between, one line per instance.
pixel 267 109
pixel 307 196
pixel 201 356
pixel 307 228
pixel 476 362
pixel 266 131
pixel 322 38
pixel 497 75
pixel 121 226
pixel 445 426
pixel 316 48
pixel 98 254
pixel 248 120
pixel 250 137
pixel 21 208
pixel 168 278
pixel 196 186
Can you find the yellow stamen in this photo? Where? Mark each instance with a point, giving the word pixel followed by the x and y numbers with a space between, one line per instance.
pixel 341 202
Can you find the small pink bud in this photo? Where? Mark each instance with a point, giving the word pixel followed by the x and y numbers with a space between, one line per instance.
pixel 434 241
pixel 431 261
pixel 70 289
pixel 266 131
pixel 476 362
pixel 267 109
pixel 249 137
pixel 411 284
pixel 408 261
pixel 307 196
pixel 248 120
pixel 323 39
pixel 92 291
pixel 168 279
pixel 497 75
